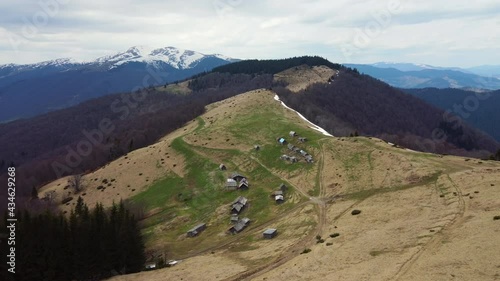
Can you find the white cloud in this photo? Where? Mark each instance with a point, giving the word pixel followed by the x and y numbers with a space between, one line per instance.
pixel 459 33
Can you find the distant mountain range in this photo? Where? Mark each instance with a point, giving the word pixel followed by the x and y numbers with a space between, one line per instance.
pixel 408 75
pixel 32 89
pixel 483 70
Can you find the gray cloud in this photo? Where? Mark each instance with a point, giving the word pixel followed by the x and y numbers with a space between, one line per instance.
pixel 426 31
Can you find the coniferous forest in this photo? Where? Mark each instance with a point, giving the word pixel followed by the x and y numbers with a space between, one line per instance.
pixel 86 245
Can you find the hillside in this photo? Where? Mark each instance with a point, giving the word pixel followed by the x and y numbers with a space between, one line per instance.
pixel 49 146
pixel 53 145
pixel 354 103
pixel 421 214
pixel 478 109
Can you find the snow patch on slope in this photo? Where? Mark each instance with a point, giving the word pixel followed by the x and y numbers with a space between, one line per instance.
pixel 312 125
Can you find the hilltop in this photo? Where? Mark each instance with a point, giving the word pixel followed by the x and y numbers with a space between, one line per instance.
pixel 421 214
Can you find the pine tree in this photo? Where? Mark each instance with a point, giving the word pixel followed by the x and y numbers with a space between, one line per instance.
pixel 131 145
pixel 79 206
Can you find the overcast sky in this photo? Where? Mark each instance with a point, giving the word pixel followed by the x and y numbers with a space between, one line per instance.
pixel 437 32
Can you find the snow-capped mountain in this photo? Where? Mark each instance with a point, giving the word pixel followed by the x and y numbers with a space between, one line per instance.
pixel 31 89
pixel 177 58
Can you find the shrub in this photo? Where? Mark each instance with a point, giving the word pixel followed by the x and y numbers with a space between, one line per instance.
pixel 318 237
pixel 306 250
pixel 329 243
pixel 66 200
pixel 334 235
pixel 161 263
pixel 496 218
pixel 320 241
pixel 355 212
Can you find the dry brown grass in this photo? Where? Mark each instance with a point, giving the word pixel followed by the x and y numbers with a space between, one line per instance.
pixel 299 78
pixel 418 220
pixel 411 234
pixel 132 174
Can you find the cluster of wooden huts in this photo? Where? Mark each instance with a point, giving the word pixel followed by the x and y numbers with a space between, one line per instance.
pixel 239 182
pixel 307 157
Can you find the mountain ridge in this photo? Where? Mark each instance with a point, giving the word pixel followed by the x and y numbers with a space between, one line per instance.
pixel 32 89
pixel 414 77
pixel 482 70
pixel 139 53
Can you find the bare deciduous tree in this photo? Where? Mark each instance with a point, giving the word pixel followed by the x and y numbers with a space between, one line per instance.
pixel 50 197
pixel 76 182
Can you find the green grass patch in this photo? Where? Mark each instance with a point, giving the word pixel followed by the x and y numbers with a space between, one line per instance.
pixel 201 124
pixel 159 194
pixel 196 197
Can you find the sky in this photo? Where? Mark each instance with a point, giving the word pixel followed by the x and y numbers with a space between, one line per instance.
pixel 461 33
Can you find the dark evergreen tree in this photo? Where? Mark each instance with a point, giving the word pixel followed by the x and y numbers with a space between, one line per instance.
pixel 131 145
pixel 34 193
pixel 84 246
pixel 79 206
